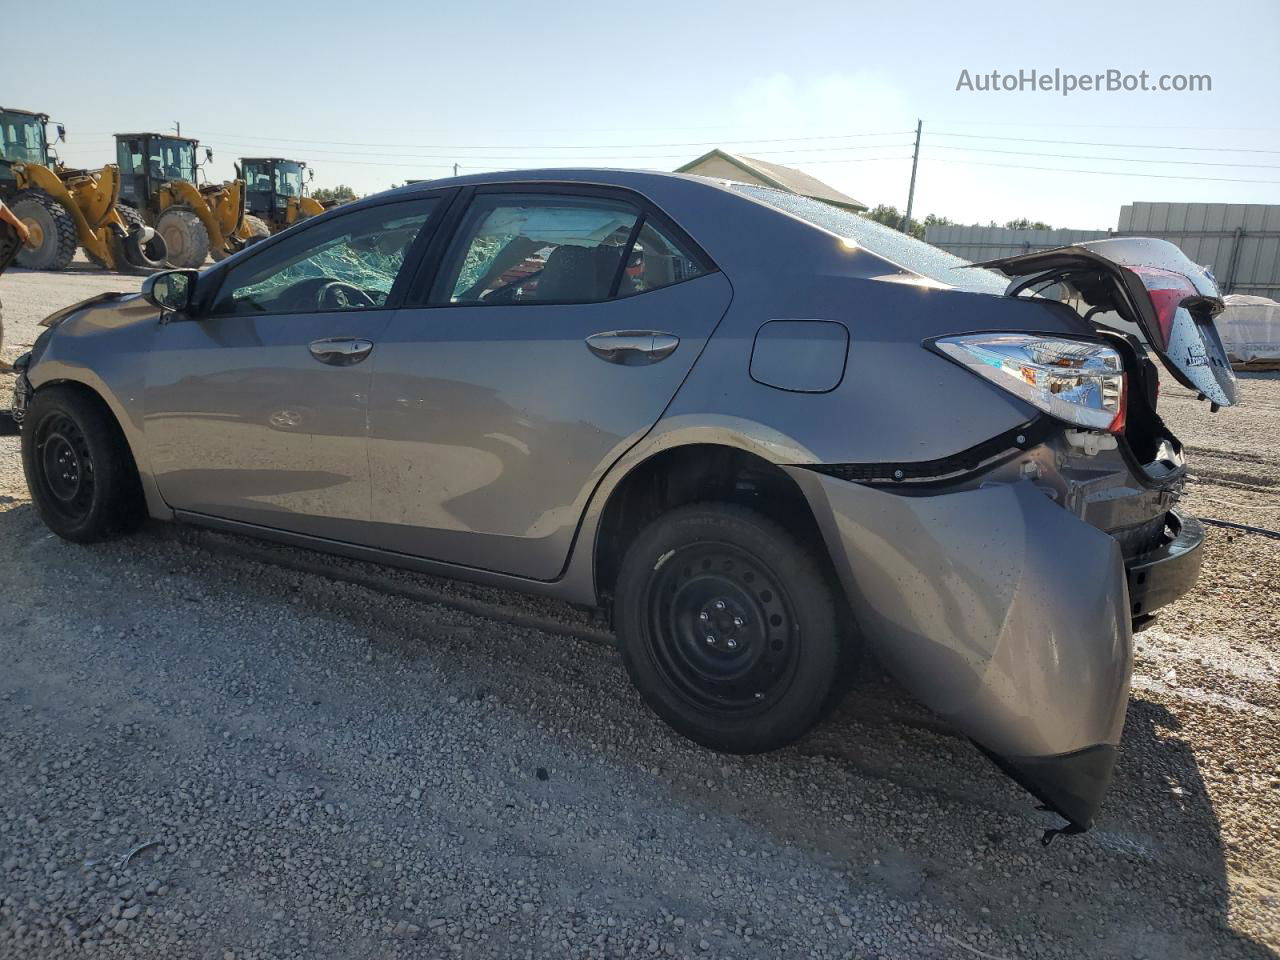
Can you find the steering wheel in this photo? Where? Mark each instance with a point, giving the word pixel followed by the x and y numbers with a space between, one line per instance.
pixel 336 295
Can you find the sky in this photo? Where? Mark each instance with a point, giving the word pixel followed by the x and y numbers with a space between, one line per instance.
pixel 374 93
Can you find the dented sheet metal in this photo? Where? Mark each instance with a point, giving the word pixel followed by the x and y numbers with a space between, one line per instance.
pixel 1002 612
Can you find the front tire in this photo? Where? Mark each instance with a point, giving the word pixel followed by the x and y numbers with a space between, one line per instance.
pixel 53 239
pixel 81 475
pixel 728 628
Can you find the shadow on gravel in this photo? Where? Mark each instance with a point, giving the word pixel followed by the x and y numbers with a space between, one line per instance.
pixel 1160 813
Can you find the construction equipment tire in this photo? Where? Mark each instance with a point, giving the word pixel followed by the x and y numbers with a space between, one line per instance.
pixel 53 240
pixel 185 238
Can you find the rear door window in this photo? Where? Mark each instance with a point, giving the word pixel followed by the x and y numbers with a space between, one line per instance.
pixel 537 248
pixel 656 261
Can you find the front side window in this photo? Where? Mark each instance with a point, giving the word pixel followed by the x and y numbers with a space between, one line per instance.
pixel 514 248
pixel 348 263
pixel 129 157
pixel 257 177
pixel 22 138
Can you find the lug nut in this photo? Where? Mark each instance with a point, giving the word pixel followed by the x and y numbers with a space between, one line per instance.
pixel 737 621
pixel 731 643
pixel 711 641
pixel 719 604
pixel 703 616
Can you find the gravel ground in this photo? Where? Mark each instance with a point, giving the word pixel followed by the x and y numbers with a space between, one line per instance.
pixel 309 757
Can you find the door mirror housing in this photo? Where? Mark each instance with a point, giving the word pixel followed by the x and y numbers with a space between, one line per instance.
pixel 171 290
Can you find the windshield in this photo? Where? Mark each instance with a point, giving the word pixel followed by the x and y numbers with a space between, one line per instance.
pixel 907 252
pixel 22 138
pixel 172 159
pixel 289 179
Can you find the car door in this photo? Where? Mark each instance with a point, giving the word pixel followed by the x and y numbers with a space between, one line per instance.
pixel 256 408
pixel 560 324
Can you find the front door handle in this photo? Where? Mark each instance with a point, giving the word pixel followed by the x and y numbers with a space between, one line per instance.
pixel 340 351
pixel 633 347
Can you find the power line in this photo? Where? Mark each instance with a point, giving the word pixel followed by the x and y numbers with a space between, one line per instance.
pixel 1102 173
pixel 560 162
pixel 1098 126
pixel 255 145
pixel 599 146
pixel 1085 156
pixel 1094 143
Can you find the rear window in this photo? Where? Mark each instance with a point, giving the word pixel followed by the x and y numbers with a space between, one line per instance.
pixel 907 252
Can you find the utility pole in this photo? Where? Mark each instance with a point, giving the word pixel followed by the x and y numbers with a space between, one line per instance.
pixel 455 169
pixel 911 193
pixel 177 127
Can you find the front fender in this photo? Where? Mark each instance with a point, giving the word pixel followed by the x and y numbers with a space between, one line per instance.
pixel 105 349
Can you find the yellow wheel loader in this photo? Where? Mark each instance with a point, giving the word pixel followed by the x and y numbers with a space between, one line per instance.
pixel 275 191
pixel 158 179
pixel 65 208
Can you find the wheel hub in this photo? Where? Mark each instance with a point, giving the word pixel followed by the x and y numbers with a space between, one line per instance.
pixel 726 623
pixel 62 467
pixel 722 629
pixel 36 233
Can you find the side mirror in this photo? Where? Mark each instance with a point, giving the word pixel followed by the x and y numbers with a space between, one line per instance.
pixel 62 133
pixel 170 289
pixel 311 174
pixel 208 154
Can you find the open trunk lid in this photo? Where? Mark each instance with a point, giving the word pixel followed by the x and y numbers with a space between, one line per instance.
pixel 1148 282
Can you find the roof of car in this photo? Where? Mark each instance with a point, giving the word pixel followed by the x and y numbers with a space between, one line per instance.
pixel 616 176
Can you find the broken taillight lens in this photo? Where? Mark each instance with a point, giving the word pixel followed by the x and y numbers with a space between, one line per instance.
pixel 1078 381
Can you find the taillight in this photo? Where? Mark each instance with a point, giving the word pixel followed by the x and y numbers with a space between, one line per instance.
pixel 1078 381
pixel 1168 291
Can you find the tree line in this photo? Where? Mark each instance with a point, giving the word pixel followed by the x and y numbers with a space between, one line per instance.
pixel 891 217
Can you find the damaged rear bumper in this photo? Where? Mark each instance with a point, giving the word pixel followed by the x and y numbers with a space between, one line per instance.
pixel 1001 611
pixel 1161 576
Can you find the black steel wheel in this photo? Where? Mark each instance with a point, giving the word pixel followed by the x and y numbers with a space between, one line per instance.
pixel 724 634
pixel 79 469
pixel 64 466
pixel 728 627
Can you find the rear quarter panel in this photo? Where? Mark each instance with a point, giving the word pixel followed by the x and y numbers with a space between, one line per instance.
pixel 897 400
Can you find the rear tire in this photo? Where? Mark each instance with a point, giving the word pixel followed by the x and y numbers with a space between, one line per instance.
pixel 257 227
pixel 728 628
pixel 257 231
pixel 185 238
pixel 53 231
pixel 78 466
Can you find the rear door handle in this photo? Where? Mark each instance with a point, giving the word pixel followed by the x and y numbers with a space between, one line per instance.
pixel 340 351
pixel 633 347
